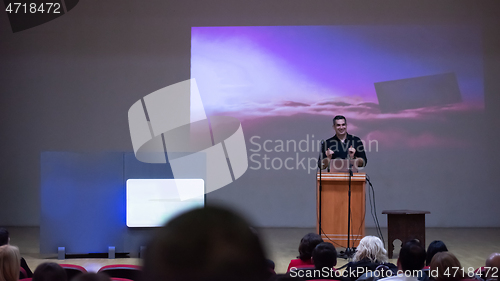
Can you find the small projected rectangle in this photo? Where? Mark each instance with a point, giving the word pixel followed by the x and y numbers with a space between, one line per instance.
pixel 418 92
pixel 153 202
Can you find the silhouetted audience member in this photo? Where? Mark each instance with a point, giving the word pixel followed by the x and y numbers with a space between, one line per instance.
pixel 410 263
pixel 206 244
pixel 285 277
pixel 369 255
pixel 306 247
pixel 447 267
pixel 4 240
pixel 4 236
pixel 49 271
pixel 324 257
pixel 435 247
pixel 90 276
pixel 492 269
pixel 9 263
pixel 271 266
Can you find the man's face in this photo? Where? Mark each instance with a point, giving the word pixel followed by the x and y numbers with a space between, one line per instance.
pixel 340 127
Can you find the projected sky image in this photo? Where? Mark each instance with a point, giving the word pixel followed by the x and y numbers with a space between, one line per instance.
pixel 370 74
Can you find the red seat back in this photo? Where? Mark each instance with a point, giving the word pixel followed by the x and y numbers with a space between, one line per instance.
pixel 73 270
pixel 126 271
pixel 22 273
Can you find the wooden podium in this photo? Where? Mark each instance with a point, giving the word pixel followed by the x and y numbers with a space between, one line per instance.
pixel 334 207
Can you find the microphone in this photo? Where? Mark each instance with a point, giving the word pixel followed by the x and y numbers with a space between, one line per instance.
pixel 321 160
pixel 323 146
pixel 325 163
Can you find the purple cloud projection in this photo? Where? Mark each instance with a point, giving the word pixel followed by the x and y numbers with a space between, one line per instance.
pixel 403 139
pixel 264 72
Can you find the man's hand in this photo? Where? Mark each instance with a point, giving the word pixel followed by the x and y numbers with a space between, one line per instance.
pixel 325 163
pixel 359 162
pixel 352 150
pixel 329 153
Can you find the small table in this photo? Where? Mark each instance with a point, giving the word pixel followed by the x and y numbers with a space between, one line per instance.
pixel 405 225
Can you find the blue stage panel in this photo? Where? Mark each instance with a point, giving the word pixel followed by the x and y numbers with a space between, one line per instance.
pixel 82 202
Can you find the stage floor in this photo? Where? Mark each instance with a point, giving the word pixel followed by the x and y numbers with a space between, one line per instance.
pixel 471 246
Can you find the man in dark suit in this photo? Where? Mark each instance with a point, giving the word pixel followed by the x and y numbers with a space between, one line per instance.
pixel 343 145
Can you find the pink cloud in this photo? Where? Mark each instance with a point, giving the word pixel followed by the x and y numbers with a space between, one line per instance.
pixel 398 139
pixel 351 108
pixel 294 104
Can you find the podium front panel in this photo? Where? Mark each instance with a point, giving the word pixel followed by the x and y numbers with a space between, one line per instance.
pixel 334 196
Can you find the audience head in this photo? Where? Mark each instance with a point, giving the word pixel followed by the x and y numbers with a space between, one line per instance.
pixel 372 248
pixel 285 277
pixel 307 245
pixel 339 117
pixel 324 255
pixel 90 276
pixel 206 244
pixel 411 256
pixel 10 262
pixel 435 247
pixel 49 271
pixel 443 263
pixel 4 236
pixel 270 264
pixel 493 261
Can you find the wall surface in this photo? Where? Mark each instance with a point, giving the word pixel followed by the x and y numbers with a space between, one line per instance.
pixel 67 85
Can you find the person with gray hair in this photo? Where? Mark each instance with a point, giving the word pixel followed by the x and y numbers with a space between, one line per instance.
pixel 370 254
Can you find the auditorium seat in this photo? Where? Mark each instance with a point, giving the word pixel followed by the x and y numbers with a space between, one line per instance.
pixel 302 267
pixel 22 273
pixel 126 271
pixel 120 279
pixel 73 270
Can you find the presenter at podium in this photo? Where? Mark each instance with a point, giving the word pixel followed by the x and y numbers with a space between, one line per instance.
pixel 344 146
